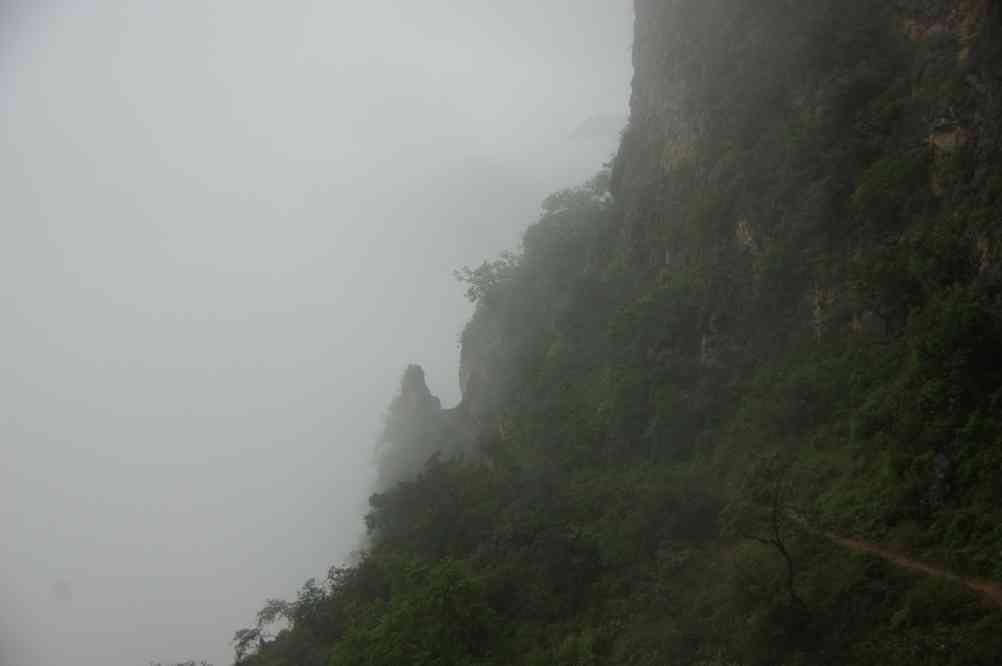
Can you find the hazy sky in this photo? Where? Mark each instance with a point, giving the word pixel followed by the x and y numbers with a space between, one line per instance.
pixel 227 227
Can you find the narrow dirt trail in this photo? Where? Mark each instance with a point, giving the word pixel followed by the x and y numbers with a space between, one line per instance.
pixel 988 590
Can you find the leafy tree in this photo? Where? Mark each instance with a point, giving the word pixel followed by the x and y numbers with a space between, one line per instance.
pixel 762 513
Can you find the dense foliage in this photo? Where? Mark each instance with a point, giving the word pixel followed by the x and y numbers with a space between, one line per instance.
pixel 809 343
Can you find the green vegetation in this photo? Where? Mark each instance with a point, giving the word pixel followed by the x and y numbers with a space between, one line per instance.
pixel 808 340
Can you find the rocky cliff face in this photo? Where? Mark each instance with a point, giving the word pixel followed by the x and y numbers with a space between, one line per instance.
pixel 768 142
pixel 798 169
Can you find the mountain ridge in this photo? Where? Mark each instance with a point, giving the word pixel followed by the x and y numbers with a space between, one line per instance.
pixel 784 294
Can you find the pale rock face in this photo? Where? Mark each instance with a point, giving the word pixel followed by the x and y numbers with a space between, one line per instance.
pixel 473 416
pixel 663 149
pixel 476 385
pixel 745 236
pixel 823 303
pixel 948 140
pixel 415 395
pixel 942 143
pixel 960 21
pixel 662 132
pixel 984 255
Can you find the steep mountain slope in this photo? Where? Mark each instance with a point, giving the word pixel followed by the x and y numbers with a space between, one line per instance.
pixel 776 316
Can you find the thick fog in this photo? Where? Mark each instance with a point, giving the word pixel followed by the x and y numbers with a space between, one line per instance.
pixel 227 226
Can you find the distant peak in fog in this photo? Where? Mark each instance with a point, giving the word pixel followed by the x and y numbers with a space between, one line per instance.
pixel 605 126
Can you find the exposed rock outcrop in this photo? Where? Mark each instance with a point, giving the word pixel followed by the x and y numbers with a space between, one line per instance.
pixel 725 165
pixel 417 429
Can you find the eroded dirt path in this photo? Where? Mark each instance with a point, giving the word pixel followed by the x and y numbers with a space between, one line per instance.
pixel 990 591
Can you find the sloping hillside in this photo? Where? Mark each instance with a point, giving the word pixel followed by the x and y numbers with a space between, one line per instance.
pixel 776 316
